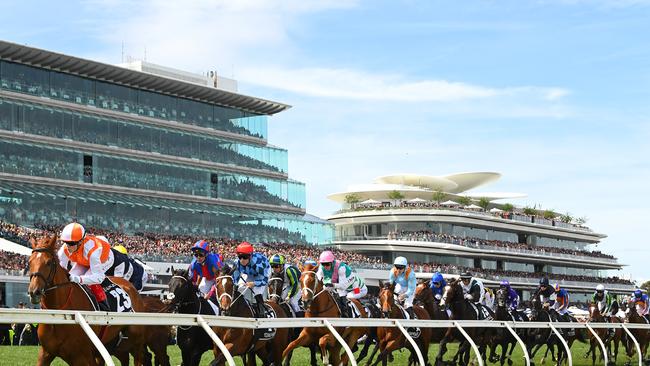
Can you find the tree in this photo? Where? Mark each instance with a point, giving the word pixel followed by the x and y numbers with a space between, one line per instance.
pixel 549 214
pixel 464 201
pixel 645 286
pixel 529 211
pixel 508 207
pixel 581 220
pixel 395 196
pixel 352 199
pixel 438 196
pixel 566 218
pixel 484 202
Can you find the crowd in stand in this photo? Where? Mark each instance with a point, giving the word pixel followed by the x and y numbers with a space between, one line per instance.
pixel 477 243
pixel 174 248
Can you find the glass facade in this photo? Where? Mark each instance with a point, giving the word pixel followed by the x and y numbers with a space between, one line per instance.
pixel 76 89
pixel 43 120
pixel 89 123
pixel 40 160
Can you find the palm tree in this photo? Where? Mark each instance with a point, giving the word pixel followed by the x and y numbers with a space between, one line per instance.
pixel 566 218
pixel 549 214
pixel 581 220
pixel 395 196
pixel 508 207
pixel 529 211
pixel 438 196
pixel 484 202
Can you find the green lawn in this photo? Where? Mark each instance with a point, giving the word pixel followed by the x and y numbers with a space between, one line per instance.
pixel 19 356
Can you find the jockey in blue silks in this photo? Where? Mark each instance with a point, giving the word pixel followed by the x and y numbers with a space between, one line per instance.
pixel 438 284
pixel 512 299
pixel 405 283
pixel 205 267
pixel 257 269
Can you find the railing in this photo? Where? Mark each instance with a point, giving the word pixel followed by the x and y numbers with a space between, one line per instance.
pixel 535 220
pixel 471 243
pixel 87 318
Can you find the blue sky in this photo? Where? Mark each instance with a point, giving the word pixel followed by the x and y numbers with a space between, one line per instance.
pixel 552 94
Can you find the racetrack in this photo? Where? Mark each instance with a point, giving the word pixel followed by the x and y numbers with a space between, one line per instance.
pixel 27 355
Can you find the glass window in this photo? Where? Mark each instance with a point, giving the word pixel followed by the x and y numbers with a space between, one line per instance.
pixel 25 79
pixel 116 97
pixel 34 160
pixel 72 88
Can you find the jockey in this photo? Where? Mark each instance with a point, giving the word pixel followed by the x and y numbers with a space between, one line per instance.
pixel 545 293
pixel 204 268
pixel 403 277
pixel 606 302
pixel 92 259
pixel 291 277
pixel 438 284
pixel 561 305
pixel 472 288
pixel 132 269
pixel 512 298
pixel 340 276
pixel 256 266
pixel 642 303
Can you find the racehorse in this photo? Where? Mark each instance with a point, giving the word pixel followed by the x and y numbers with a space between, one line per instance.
pixel 50 286
pixel 241 341
pixel 503 337
pixel 390 338
pixel 276 292
pixel 184 297
pixel 540 337
pixel 461 309
pixel 320 303
pixel 596 317
pixel 642 335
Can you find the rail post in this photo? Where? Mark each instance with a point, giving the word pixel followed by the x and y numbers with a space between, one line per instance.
pixel 471 342
pixel 79 319
pixel 564 343
pixel 338 337
pixel 215 339
pixel 636 343
pixel 600 341
pixel 412 341
pixel 520 341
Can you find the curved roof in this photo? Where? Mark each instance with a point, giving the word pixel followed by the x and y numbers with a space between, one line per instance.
pixel 427 181
pixel 467 181
pixel 115 74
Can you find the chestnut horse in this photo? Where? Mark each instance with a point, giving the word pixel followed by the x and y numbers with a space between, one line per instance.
pixel 49 285
pixel 596 317
pixel 391 338
pixel 320 303
pixel 242 341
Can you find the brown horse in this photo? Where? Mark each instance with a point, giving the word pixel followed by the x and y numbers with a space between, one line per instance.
pixel 49 285
pixel 391 338
pixel 596 317
pixel 642 335
pixel 238 341
pixel 320 303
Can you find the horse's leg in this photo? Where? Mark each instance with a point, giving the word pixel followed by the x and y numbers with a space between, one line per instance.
pixel 304 338
pixel 372 355
pixel 44 357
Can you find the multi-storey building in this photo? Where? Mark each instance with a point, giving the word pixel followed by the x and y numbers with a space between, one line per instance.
pixel 425 222
pixel 142 148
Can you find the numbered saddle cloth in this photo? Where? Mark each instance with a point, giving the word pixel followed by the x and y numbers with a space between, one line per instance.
pixel 414 332
pixel 267 333
pixel 118 300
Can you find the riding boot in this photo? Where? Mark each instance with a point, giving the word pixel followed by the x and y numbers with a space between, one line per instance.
pixel 343 304
pixel 260 308
pixel 409 310
pixel 103 305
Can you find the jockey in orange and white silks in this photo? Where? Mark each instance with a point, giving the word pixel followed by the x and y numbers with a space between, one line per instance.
pixel 92 259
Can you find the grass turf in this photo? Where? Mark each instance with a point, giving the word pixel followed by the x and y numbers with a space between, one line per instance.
pixel 27 355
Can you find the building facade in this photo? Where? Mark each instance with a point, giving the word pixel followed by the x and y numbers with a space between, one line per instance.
pixel 123 149
pixel 427 224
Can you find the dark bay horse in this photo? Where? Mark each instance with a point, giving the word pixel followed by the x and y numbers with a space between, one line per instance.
pixel 276 293
pixel 461 309
pixel 320 303
pixel 50 286
pixel 642 335
pixel 503 337
pixel 391 338
pixel 184 297
pixel 241 341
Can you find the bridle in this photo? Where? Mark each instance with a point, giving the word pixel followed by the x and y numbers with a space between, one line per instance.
pixel 172 297
pixel 272 294
pixel 312 290
pixel 48 280
pixel 225 294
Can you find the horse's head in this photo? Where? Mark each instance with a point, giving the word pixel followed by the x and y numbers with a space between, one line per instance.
pixel 225 289
pixel 276 284
pixel 311 285
pixel 594 312
pixel 501 297
pixel 387 298
pixel 453 292
pixel 179 288
pixel 423 293
pixel 43 264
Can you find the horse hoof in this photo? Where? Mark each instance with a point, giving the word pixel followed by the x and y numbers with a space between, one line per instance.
pixel 510 362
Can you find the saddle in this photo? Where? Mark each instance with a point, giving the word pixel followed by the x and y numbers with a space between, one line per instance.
pixel 118 300
pixel 482 312
pixel 414 332
pixel 267 333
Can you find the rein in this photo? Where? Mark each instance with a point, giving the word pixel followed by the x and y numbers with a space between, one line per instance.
pixel 315 295
pixel 232 301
